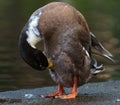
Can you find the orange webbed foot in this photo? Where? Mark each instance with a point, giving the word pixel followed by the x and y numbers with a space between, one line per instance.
pixel 74 91
pixel 60 92
pixel 69 96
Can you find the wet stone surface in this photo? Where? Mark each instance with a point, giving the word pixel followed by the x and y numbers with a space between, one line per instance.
pixel 103 93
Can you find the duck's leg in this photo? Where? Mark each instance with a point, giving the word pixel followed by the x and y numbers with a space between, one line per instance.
pixel 60 92
pixel 74 91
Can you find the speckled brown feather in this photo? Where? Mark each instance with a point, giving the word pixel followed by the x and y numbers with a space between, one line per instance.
pixel 66 33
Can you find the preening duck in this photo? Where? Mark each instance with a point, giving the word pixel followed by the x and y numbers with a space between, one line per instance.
pixel 68 44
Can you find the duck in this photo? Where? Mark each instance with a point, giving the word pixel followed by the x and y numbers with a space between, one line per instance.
pixel 68 44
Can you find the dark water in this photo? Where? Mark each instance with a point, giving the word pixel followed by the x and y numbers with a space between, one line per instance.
pixel 103 18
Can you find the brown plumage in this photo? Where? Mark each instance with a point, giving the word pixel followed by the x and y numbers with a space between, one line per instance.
pixel 66 36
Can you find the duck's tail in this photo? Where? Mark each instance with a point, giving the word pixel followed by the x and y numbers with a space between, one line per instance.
pixel 95 69
pixel 98 48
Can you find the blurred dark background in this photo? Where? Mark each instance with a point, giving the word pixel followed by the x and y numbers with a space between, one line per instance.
pixel 103 18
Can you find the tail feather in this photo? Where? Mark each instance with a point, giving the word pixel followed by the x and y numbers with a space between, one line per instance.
pixel 96 69
pixel 100 50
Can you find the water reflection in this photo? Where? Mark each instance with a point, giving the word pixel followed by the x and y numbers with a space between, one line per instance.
pixel 103 19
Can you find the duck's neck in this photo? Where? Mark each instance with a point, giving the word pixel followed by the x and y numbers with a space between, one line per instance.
pixel 25 49
pixel 32 56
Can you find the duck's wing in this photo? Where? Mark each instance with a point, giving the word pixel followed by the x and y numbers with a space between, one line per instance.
pixel 99 49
